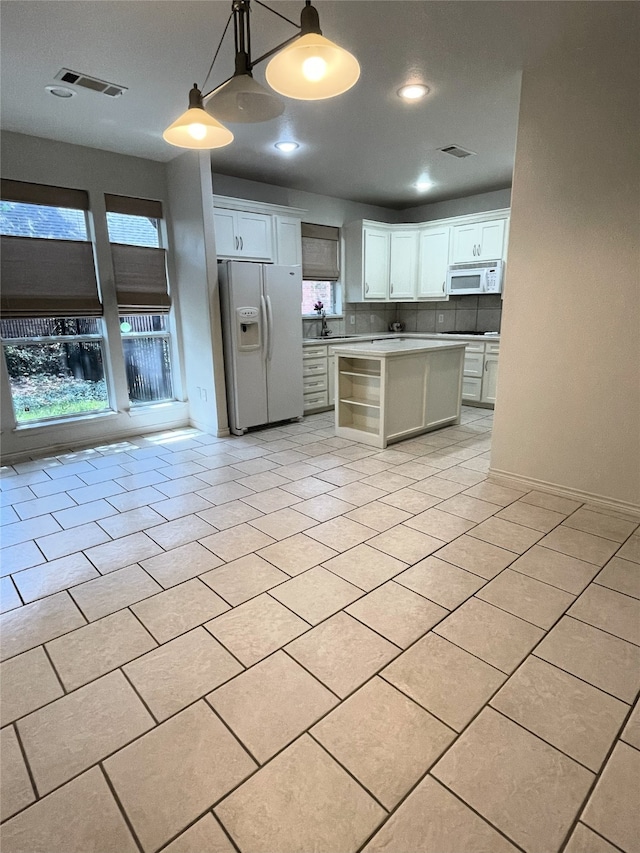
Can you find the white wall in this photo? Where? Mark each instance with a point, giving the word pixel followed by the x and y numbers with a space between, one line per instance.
pixel 458 206
pixel 29 158
pixel 568 411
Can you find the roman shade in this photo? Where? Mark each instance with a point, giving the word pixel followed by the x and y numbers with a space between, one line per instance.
pixel 320 252
pixel 27 193
pixel 133 206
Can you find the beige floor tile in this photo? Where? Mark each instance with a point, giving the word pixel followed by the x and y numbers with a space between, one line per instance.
pixel 262 481
pixel 563 710
pixel 205 836
pixel 342 653
pixel 236 542
pixel 18 557
pixel 527 598
pixel 599 524
pixel 243 579
pixel 494 636
pixel 339 476
pixel 224 492
pixel 384 739
pixel 253 630
pixel 272 703
pixel 397 613
pixel 474 555
pixel 179 609
pixel 444 679
pixel 308 487
pixel 631 733
pixel 324 507
pixel 69 735
pixel 133 521
pixel 465 473
pixel 125 501
pixel 584 546
pixel 268 501
pixel 552 502
pixel 559 570
pixel 340 533
pixel 283 523
pixel 78 817
pixel 410 500
pixel 621 575
pixel 612 809
pixel 181 564
pixel 432 820
pixel 532 516
pixel 167 778
pixel 17 792
pixel 494 493
pixel 34 528
pixel 584 840
pixel 595 656
pixel 9 598
pixel 92 651
pixel 406 544
pixel 441 582
pixel 630 550
pixel 610 610
pixel 296 554
pixel 506 534
pixel 378 515
pixel 36 623
pixel 69 541
pixel 173 508
pixel 357 494
pixel 177 673
pixel 442 525
pixel 28 682
pixel 122 552
pixel 316 594
pixel 365 566
pixel 290 805
pixel 523 786
pixel 387 481
pixel 173 534
pixel 466 506
pixel 440 487
pixel 54 576
pixel 114 591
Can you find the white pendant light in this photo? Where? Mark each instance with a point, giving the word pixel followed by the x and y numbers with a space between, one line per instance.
pixel 197 129
pixel 311 67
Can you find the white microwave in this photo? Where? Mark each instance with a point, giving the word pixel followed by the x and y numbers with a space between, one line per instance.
pixel 475 278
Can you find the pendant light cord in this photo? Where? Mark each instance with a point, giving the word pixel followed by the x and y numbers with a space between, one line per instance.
pixel 215 56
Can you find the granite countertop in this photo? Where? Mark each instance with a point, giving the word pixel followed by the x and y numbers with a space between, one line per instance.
pixel 433 336
pixel 394 347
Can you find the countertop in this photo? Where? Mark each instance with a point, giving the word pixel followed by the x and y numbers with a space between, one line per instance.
pixel 429 336
pixel 394 347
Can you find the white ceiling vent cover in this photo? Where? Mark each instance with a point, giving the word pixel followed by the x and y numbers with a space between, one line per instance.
pixel 74 78
pixel 456 151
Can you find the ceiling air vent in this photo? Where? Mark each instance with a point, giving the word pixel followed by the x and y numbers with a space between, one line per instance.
pixel 73 78
pixel 456 151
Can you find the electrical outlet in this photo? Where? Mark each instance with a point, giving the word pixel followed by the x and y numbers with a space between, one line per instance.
pixel 352 319
pixel 440 318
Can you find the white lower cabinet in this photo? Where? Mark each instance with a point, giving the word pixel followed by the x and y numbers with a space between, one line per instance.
pixel 480 373
pixel 490 379
pixel 314 377
pixel 331 377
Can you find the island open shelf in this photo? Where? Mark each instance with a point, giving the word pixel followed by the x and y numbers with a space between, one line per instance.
pixel 390 390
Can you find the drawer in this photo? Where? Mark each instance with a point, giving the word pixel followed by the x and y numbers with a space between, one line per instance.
pixel 313 384
pixel 473 363
pixel 314 352
pixel 314 366
pixel 315 401
pixel 475 346
pixel 471 388
pixel 492 349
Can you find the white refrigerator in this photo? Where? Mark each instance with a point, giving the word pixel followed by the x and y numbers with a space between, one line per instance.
pixel 262 330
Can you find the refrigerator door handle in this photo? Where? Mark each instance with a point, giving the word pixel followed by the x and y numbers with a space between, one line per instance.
pixel 266 334
pixel 270 326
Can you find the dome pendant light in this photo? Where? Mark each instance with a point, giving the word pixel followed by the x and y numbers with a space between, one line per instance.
pixel 311 67
pixel 197 129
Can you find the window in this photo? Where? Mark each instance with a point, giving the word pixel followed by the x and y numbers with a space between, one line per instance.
pixel 320 267
pixel 50 309
pixel 141 286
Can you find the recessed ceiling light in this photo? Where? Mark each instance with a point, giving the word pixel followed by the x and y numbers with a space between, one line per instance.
pixel 413 91
pixel 60 91
pixel 423 185
pixel 286 147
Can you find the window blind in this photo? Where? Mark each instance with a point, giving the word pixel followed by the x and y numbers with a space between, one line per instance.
pixel 48 278
pixel 133 206
pixel 141 279
pixel 27 193
pixel 320 252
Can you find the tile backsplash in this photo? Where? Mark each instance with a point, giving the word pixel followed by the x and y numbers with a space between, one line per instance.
pixel 458 314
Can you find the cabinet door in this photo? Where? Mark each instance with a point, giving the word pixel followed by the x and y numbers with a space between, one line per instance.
pixel 376 264
pixel 331 379
pixel 491 240
pixel 474 363
pixel 433 263
pixel 465 244
pixel 288 241
pixel 254 233
pixel 403 264
pixel 490 379
pixel 227 244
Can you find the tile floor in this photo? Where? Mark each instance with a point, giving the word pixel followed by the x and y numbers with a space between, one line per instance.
pixel 289 642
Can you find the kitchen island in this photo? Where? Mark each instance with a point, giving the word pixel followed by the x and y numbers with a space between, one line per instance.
pixel 389 390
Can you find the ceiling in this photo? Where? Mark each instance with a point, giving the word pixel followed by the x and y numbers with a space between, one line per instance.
pixel 366 145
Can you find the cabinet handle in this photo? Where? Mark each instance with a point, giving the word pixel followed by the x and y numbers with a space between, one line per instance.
pixel 486 367
pixel 391 288
pixel 366 287
pixel 474 250
pixel 443 284
pixel 242 243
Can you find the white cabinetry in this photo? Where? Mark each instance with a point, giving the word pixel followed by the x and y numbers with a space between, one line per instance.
pixel 314 377
pixel 253 231
pixel 403 264
pixel 433 255
pixel 480 372
pixel 479 241
pixel 288 240
pixel 375 263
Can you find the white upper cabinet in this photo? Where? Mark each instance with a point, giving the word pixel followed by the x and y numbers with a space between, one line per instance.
pixel 403 264
pixel 433 262
pixel 256 231
pixel 288 240
pixel 375 267
pixel 478 241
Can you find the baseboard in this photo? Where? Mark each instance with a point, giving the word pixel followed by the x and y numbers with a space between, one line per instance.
pixel 529 483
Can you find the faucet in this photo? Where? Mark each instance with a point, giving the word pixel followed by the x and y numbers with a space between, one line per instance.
pixel 325 331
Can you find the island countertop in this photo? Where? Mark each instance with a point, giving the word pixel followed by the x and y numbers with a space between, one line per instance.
pixel 387 348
